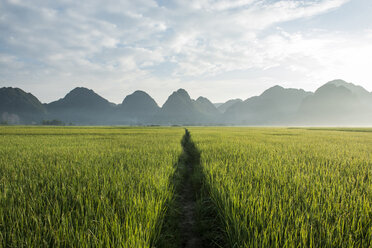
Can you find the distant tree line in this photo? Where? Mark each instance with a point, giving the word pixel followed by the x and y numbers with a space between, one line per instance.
pixel 53 122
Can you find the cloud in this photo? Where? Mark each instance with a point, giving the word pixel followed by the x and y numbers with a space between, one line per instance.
pixel 116 46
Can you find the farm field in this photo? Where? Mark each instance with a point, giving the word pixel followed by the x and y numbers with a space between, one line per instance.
pixel 115 186
pixel 278 187
pixel 85 187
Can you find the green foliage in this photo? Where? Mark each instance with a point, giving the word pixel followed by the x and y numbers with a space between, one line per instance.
pixel 85 187
pixel 289 187
pixel 254 187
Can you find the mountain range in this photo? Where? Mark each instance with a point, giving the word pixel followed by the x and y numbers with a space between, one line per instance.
pixel 335 103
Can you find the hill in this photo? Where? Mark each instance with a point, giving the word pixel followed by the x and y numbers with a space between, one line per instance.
pixel 206 107
pixel 357 90
pixel 81 106
pixel 337 103
pixel 274 106
pixel 180 109
pixel 224 106
pixel 19 107
pixel 137 108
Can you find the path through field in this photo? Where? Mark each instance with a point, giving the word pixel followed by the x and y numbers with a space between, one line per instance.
pixel 188 204
pixel 191 219
pixel 188 224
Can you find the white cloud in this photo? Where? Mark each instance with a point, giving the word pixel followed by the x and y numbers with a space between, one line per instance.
pixel 115 46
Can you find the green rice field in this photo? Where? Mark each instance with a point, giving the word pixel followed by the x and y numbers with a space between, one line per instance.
pixel 115 186
pixel 84 187
pixel 290 187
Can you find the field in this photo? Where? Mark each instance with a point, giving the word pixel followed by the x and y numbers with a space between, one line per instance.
pixel 84 187
pixel 290 187
pixel 122 187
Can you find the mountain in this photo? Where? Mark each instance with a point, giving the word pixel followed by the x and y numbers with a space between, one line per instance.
pixel 337 103
pixel 137 108
pixel 363 96
pixel 80 98
pixel 224 106
pixel 179 109
pixel 81 106
pixel 17 106
pixel 205 106
pixel 357 90
pixel 275 106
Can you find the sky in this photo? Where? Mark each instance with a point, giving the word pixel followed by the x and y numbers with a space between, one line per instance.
pixel 219 49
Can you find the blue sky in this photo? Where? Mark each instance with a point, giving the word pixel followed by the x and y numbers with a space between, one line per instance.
pixel 220 49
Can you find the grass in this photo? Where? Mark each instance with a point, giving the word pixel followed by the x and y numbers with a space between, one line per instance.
pixel 120 186
pixel 83 187
pixel 289 187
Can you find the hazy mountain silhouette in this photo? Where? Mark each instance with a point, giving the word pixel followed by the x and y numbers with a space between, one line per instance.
pixel 276 105
pixel 81 106
pixel 222 107
pixel 363 96
pixel 181 109
pixel 205 106
pixel 137 108
pixel 17 106
pixel 357 90
pixel 80 98
pixel 335 103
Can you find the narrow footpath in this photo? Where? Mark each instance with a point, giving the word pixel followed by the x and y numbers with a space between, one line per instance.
pixel 188 224
pixel 191 220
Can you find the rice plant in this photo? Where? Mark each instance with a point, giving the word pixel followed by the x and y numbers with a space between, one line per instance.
pixel 84 187
pixel 290 187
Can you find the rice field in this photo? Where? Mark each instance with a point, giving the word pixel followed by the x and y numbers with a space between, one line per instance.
pixel 290 187
pixel 85 187
pixel 111 186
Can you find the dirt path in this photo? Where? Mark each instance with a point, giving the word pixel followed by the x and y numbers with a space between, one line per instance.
pixel 188 224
